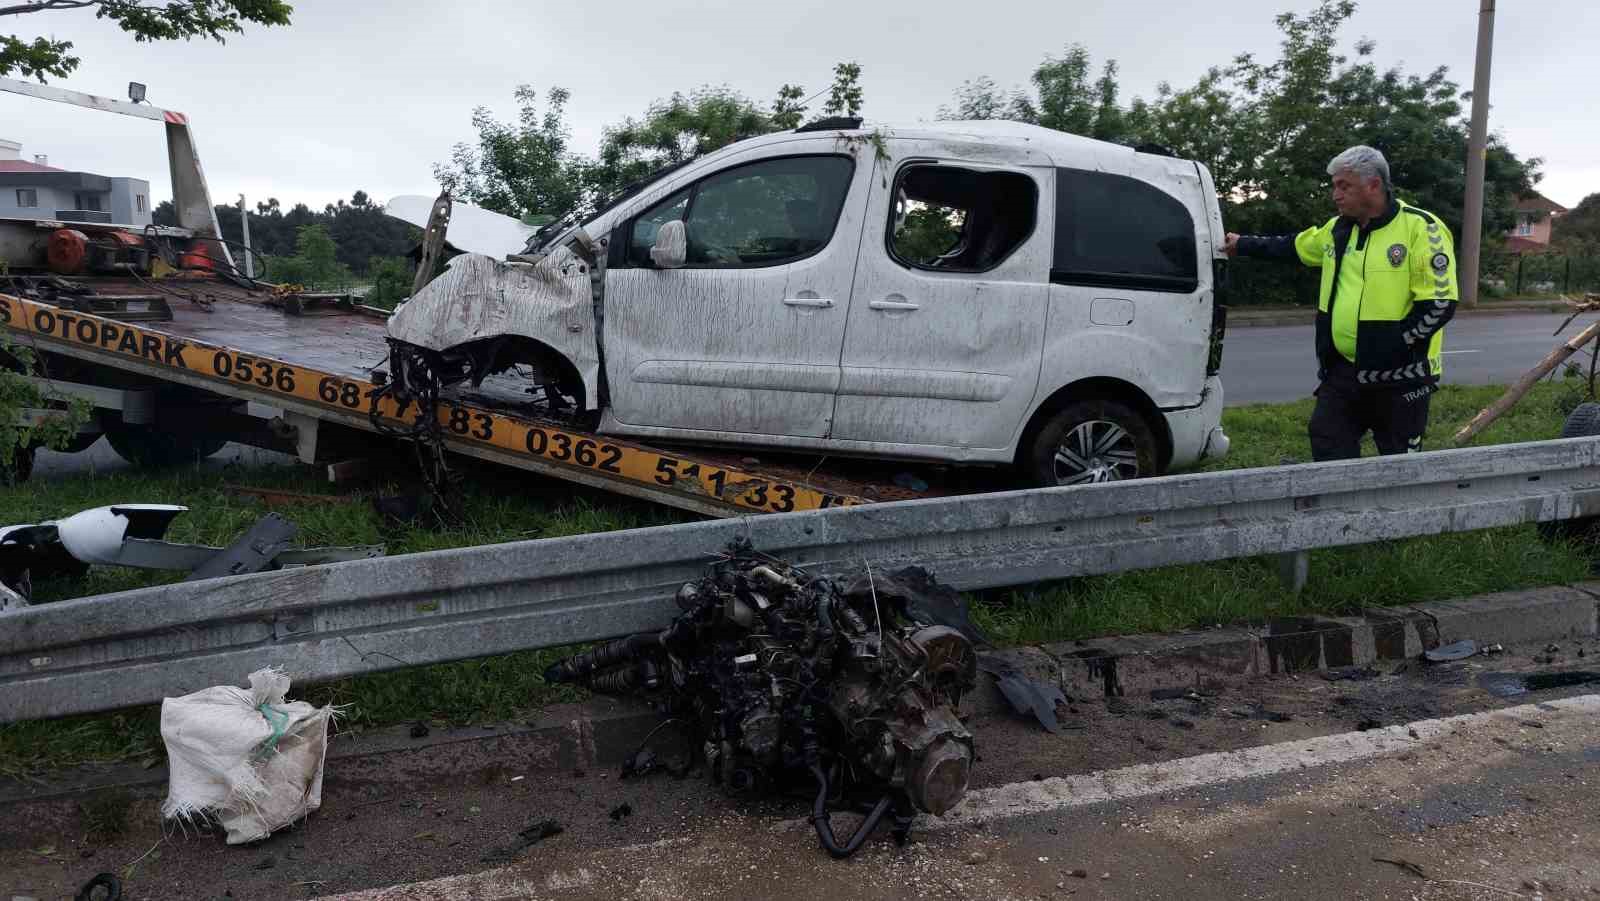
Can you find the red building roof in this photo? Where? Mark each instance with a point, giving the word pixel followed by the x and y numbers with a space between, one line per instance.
pixel 25 166
pixel 1538 203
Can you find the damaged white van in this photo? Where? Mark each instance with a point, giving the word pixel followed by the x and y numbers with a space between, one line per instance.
pixel 970 292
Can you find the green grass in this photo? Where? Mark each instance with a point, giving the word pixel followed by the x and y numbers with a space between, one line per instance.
pixel 508 507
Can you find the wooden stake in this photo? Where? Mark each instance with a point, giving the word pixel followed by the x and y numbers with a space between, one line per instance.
pixel 1520 387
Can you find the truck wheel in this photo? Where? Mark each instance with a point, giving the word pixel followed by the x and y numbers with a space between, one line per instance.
pixel 1582 422
pixel 1091 441
pixel 20 469
pixel 147 446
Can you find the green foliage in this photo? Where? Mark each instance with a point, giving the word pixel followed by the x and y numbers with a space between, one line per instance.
pixel 523 168
pixel 214 19
pixel 844 98
pixel 359 228
pixel 529 170
pixel 1577 231
pixel 315 263
pixel 674 131
pixel 17 394
pixel 788 108
pixel 1266 129
pixel 981 98
pixel 392 278
pixel 926 234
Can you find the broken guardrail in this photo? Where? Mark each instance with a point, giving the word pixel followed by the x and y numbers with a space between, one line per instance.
pixel 366 616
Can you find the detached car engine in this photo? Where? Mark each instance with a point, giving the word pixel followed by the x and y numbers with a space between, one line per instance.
pixel 791 681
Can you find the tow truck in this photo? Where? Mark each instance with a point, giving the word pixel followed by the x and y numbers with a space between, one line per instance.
pixel 179 351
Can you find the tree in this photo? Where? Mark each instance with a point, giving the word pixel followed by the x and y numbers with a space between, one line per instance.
pixel 315 262
pixel 1065 99
pixel 214 19
pixel 844 98
pixel 981 98
pixel 1577 231
pixel 672 132
pixel 525 169
pixel 787 109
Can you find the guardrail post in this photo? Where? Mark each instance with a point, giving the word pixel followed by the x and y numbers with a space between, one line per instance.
pixel 1293 568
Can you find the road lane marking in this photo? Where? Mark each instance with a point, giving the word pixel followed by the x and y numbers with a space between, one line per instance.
pixel 1461 351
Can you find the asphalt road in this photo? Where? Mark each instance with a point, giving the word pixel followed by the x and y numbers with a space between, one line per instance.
pixel 1277 363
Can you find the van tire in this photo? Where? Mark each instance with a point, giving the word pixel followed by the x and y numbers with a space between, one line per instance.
pixel 1063 450
pixel 1582 422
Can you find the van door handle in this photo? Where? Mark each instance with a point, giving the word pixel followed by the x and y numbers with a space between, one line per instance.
pixel 821 302
pixel 893 305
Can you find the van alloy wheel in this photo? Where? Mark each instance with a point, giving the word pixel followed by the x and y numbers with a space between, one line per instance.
pixel 1096 451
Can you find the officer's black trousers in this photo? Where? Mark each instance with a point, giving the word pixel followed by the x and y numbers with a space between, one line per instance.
pixel 1345 412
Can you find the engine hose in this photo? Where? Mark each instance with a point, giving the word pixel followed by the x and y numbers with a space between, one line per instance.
pixel 824 826
pixel 606 656
pixel 616 682
pixel 825 618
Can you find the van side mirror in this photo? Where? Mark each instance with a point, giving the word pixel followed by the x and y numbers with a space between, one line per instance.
pixel 671 249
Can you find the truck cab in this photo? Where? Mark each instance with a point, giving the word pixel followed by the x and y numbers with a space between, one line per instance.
pixel 968 292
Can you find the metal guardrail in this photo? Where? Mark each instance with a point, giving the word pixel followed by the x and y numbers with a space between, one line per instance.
pixel 344 619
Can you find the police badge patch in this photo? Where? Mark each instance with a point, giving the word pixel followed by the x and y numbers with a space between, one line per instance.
pixel 1397 254
pixel 1440 262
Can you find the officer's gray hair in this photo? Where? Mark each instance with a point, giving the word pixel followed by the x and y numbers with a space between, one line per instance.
pixel 1366 162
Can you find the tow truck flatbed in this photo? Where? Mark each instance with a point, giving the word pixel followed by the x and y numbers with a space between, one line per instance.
pixel 317 367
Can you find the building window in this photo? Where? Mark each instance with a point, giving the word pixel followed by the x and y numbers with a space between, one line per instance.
pixel 1524 226
pixel 87 201
pixel 1118 232
pixel 138 203
pixel 27 198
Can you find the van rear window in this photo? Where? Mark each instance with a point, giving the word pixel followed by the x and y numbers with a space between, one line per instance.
pixel 1118 232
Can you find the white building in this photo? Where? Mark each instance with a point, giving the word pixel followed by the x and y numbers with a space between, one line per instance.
pixel 36 190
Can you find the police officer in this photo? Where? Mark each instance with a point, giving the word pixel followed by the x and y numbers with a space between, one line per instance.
pixel 1388 288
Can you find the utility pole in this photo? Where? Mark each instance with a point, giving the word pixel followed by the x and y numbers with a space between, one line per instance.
pixel 1477 144
pixel 249 258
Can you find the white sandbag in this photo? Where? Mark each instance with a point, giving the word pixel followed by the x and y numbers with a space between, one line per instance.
pixel 247 755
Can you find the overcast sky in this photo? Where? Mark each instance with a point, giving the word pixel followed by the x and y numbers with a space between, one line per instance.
pixel 368 94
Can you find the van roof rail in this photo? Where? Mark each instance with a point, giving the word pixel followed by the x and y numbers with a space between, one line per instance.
pixel 832 123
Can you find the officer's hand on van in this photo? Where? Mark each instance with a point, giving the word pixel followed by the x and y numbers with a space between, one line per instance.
pixel 1230 243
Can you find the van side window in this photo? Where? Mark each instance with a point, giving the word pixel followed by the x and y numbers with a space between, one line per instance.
pixel 765 213
pixel 951 219
pixel 1118 232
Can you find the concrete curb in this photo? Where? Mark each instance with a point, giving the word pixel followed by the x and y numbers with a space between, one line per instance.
pixel 1131 664
pixel 1239 318
pixel 602 732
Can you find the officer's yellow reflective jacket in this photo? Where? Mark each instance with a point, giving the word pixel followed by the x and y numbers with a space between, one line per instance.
pixel 1387 291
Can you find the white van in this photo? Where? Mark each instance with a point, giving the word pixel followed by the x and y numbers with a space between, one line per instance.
pixel 970 292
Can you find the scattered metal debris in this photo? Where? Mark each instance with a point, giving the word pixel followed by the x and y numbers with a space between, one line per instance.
pixel 785 677
pixel 528 837
pixel 1460 650
pixel 1029 697
pixel 131 535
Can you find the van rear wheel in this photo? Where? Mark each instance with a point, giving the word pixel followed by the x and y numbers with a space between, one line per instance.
pixel 1091 441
